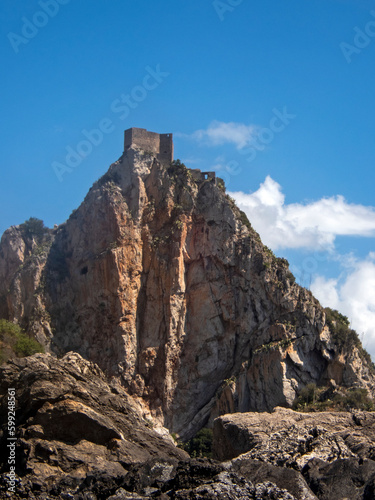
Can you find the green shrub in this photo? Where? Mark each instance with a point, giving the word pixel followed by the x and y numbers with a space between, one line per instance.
pixel 178 223
pixel 14 342
pixel 178 163
pixel 307 395
pixel 26 346
pixel 345 337
pixel 177 167
pixel 33 228
pixel 269 252
pixel 313 398
pixel 200 445
pixel 357 398
pixel 8 328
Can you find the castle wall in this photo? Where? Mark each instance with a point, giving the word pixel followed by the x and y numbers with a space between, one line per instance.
pixel 159 144
pixel 199 176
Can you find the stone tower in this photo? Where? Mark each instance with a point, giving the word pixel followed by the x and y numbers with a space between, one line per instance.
pixel 159 144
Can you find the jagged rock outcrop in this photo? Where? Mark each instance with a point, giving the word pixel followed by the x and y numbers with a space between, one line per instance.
pixel 321 455
pixel 289 438
pixel 201 480
pixel 284 478
pixel 22 262
pixel 71 424
pixel 160 280
pixel 344 478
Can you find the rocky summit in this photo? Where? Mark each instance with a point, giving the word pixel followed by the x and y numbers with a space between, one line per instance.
pixel 160 310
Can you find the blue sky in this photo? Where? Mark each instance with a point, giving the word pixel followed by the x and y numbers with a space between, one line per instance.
pixel 277 97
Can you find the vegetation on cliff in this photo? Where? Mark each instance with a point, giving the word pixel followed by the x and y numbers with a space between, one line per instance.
pixel 33 228
pixel 15 343
pixel 313 398
pixel 345 337
pixel 200 445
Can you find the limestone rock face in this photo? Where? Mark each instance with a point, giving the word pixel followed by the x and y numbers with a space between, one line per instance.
pixel 71 423
pixel 22 262
pixel 160 280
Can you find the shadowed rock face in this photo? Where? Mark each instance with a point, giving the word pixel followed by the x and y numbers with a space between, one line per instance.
pixel 204 479
pixel 159 280
pixel 72 423
pixel 344 478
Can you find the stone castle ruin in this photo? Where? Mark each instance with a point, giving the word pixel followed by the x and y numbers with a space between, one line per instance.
pixel 161 145
pixel 202 176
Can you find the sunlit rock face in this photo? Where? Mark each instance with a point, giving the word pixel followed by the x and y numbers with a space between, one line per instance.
pixel 159 279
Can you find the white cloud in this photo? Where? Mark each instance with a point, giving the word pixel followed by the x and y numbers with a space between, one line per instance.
pixel 326 291
pixel 312 225
pixel 354 296
pixel 219 133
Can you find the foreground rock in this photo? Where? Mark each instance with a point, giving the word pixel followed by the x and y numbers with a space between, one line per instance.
pixel 82 438
pixel 289 438
pixel 71 424
pixel 195 479
pixel 325 455
pixel 203 479
pixel 259 472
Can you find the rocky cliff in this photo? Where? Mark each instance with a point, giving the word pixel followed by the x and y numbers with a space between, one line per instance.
pixel 159 279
